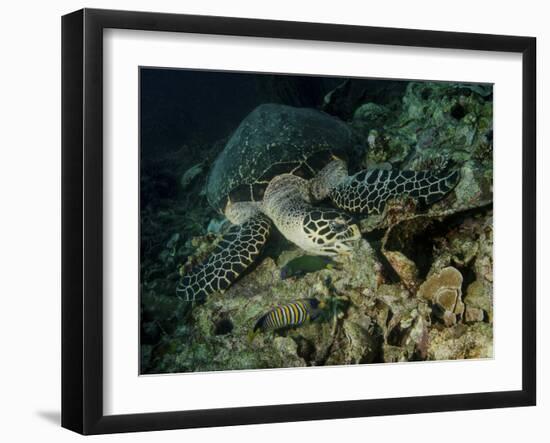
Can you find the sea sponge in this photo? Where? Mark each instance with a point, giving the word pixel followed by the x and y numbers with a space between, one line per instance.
pixel 444 290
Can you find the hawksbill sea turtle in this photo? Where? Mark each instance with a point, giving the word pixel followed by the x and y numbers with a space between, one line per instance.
pixel 277 167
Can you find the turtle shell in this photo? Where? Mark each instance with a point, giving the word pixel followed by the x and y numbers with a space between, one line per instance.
pixel 272 140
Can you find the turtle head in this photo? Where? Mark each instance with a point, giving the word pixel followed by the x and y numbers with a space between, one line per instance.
pixel 329 232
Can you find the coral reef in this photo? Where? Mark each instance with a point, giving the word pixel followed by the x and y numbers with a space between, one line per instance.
pixel 418 286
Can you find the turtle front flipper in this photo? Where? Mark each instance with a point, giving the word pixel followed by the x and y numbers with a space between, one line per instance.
pixel 237 250
pixel 368 191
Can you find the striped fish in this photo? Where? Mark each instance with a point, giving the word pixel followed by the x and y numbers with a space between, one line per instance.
pixel 289 315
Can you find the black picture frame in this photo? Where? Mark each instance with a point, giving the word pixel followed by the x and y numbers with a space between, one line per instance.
pixel 82 215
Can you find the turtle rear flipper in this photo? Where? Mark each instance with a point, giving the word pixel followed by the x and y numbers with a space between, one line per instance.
pixel 237 250
pixel 368 191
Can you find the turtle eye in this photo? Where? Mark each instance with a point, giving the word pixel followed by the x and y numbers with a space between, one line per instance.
pixel 338 226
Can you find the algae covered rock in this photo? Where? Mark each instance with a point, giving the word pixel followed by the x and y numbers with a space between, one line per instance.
pixel 432 121
pixel 223 325
pixel 372 114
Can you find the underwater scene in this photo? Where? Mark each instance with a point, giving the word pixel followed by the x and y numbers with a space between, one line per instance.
pixel 294 221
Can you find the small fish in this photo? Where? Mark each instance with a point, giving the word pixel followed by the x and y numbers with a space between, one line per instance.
pixel 290 315
pixel 307 263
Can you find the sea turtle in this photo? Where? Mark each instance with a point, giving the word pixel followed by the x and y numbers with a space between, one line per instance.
pixel 278 165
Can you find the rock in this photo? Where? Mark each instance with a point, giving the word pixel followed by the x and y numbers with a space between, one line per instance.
pixel 384 165
pixel 371 113
pixel 189 175
pixel 461 341
pixel 474 188
pixel 417 340
pixel 171 243
pixel 356 342
pixel 472 315
pixel 394 354
pixel 404 267
pixel 343 99
pixel 479 301
pixel 216 226
pixel 404 321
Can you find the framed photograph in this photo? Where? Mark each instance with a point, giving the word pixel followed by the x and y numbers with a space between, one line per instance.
pixel 269 221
